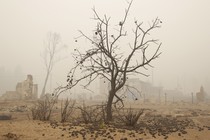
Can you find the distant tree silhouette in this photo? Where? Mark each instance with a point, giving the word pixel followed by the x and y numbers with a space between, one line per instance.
pixel 52 47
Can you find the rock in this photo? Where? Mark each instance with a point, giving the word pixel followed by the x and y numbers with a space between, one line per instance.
pixel 5 117
pixel 123 138
pixel 166 137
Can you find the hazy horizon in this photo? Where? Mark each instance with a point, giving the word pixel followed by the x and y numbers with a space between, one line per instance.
pixel 184 33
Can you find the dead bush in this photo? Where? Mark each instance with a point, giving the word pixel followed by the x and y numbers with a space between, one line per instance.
pixel 67 109
pixel 129 116
pixel 42 109
pixel 11 136
pixel 92 114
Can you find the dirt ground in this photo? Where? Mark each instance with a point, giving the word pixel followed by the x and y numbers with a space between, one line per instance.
pixel 191 120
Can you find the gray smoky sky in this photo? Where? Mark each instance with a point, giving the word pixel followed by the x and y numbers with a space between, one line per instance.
pixel 185 35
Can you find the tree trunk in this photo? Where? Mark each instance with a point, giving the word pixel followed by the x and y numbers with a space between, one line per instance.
pixel 45 84
pixel 109 106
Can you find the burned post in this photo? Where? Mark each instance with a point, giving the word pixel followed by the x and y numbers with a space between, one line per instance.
pixel 165 98
pixel 192 97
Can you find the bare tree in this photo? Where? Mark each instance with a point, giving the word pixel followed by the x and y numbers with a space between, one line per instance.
pixel 107 59
pixel 51 48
